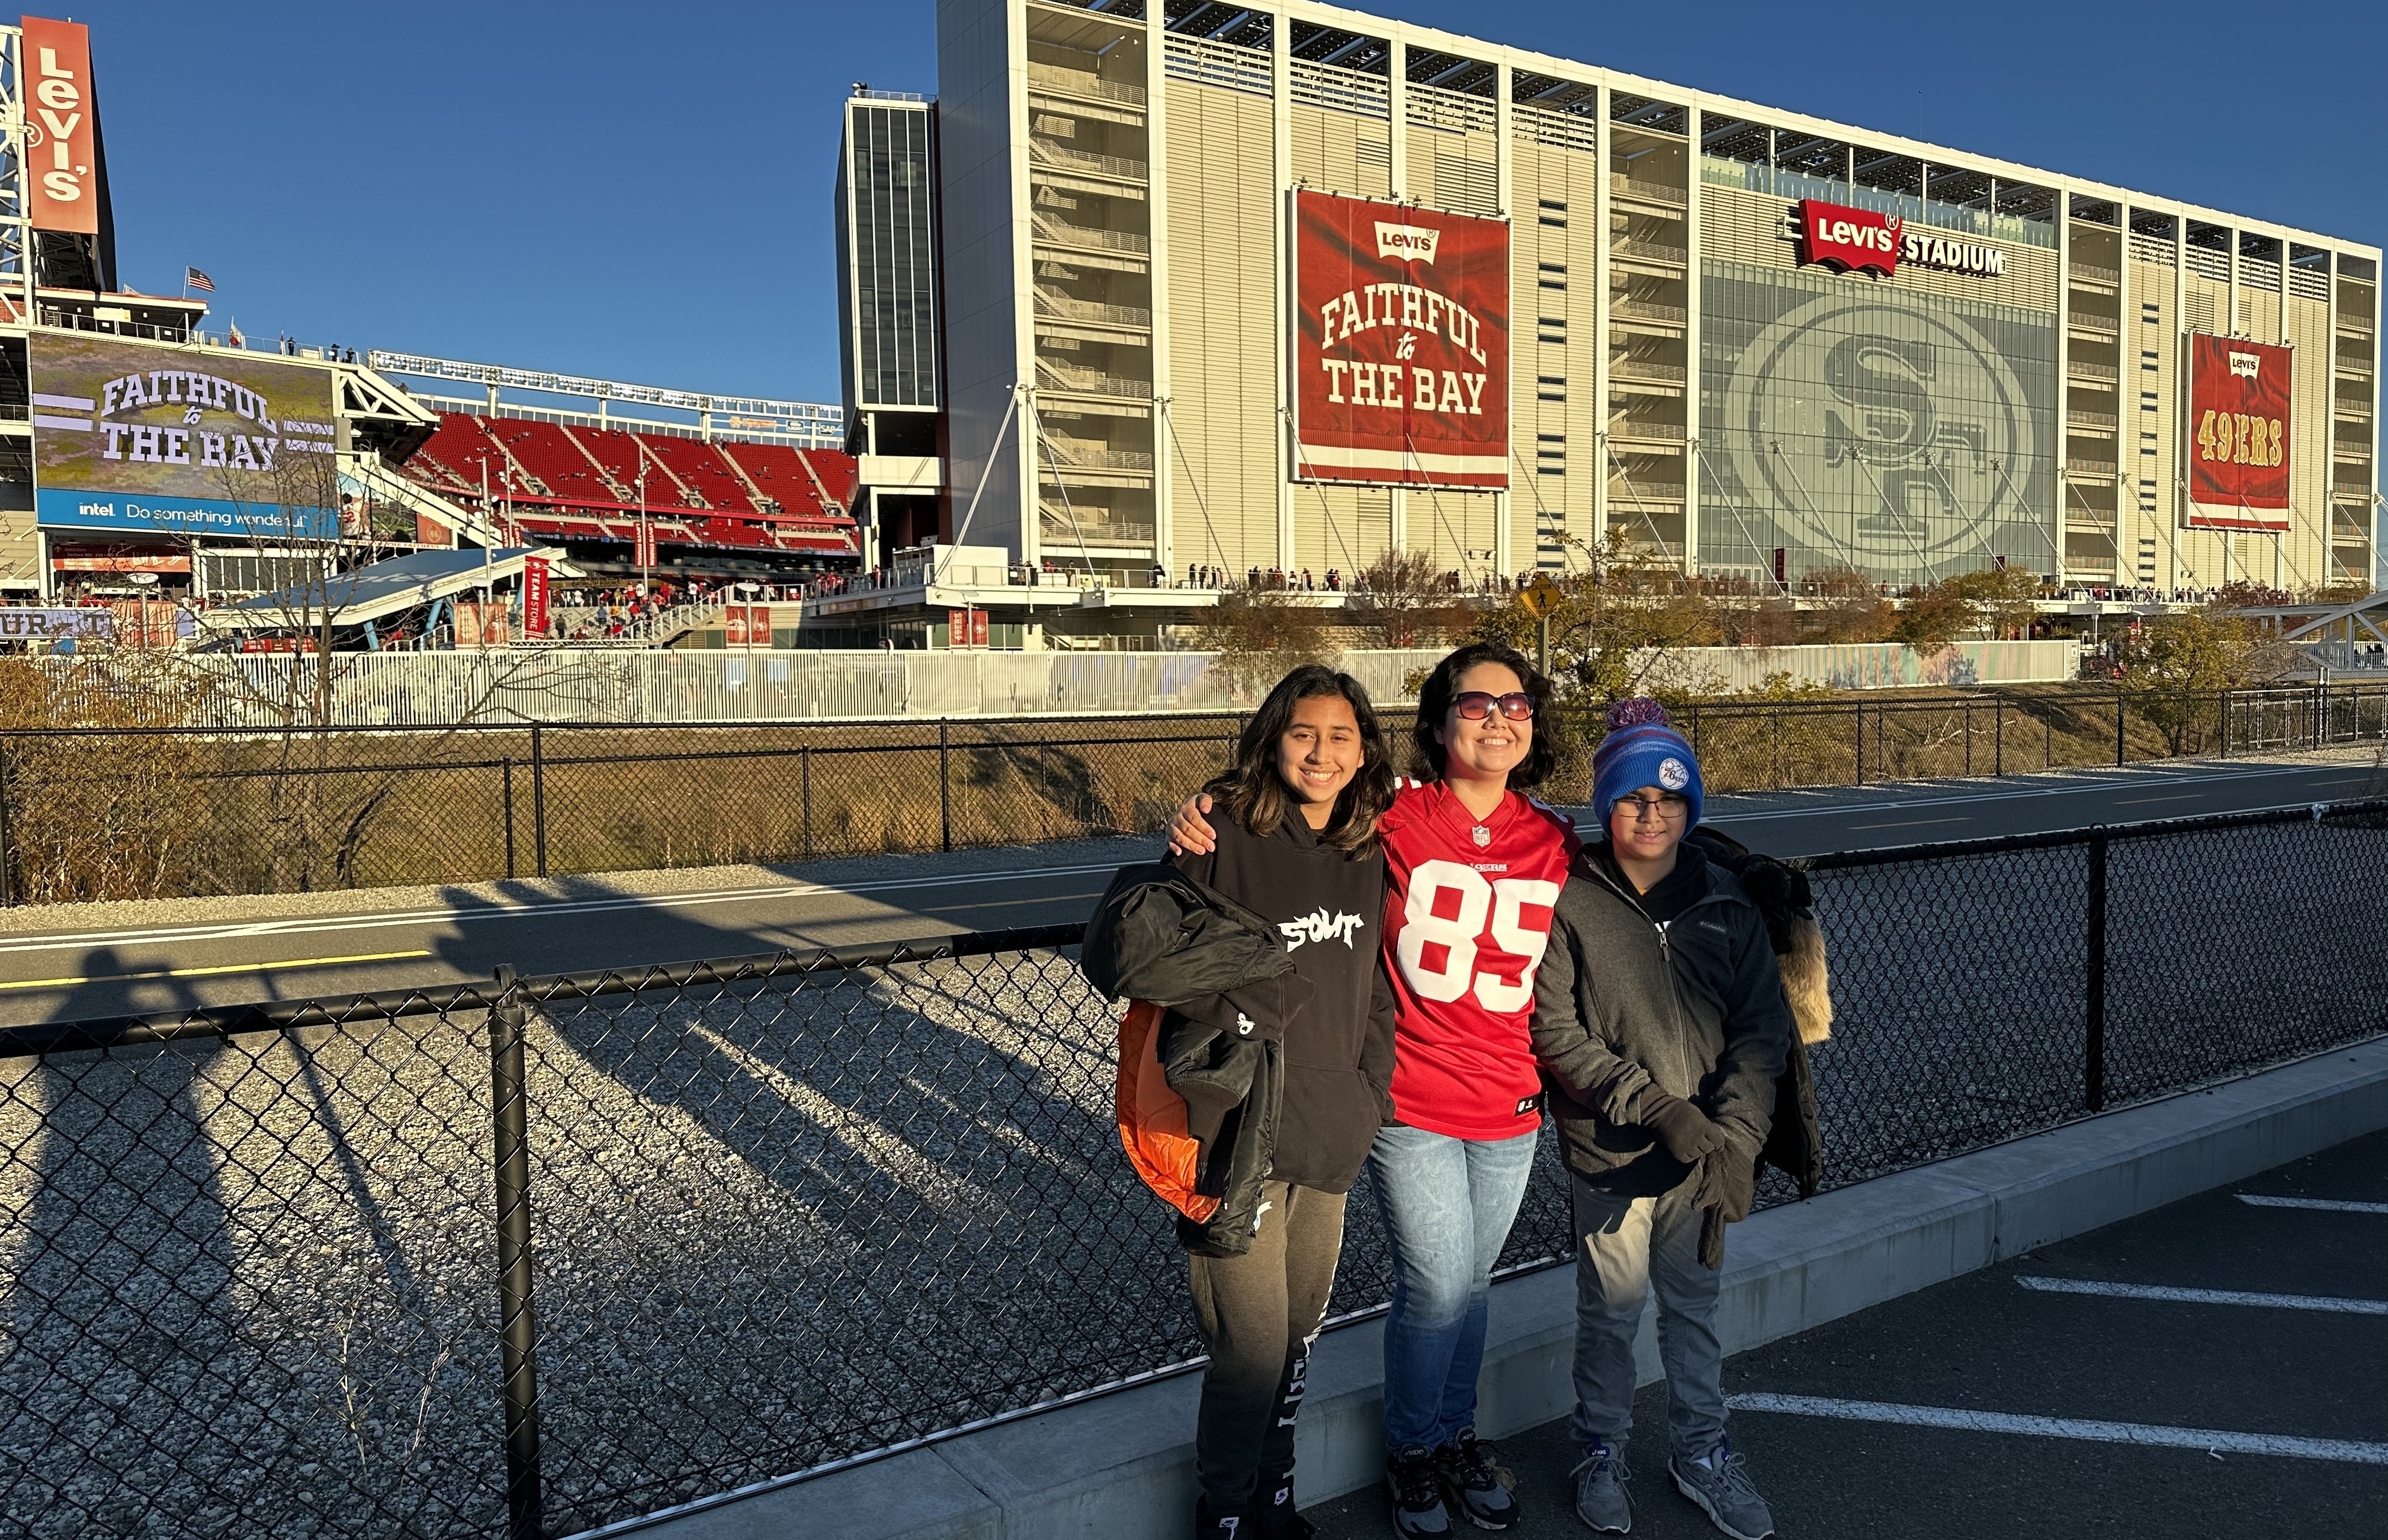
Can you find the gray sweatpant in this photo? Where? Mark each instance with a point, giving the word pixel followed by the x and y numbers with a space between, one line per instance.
pixel 1257 1313
pixel 1626 1245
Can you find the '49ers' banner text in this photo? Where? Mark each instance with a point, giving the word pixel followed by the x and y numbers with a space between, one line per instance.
pixel 2239 427
pixel 1401 349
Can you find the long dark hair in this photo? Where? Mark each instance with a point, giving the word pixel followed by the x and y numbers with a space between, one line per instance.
pixel 1257 798
pixel 1434 707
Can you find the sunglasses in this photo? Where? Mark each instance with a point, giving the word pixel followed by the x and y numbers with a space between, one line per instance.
pixel 1474 705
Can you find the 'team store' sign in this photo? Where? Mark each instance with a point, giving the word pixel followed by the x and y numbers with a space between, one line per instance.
pixel 1866 240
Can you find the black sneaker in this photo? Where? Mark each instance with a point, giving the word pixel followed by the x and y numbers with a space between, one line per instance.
pixel 1418 1513
pixel 1475 1481
pixel 1278 1518
pixel 1219 1524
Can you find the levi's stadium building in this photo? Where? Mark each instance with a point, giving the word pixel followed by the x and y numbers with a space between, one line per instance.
pixel 1278 289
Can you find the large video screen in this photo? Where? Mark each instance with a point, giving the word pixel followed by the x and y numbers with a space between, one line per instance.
pixel 1910 436
pixel 133 436
pixel 1401 344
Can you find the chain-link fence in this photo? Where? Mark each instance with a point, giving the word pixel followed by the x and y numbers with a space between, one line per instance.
pixel 141 813
pixel 559 1252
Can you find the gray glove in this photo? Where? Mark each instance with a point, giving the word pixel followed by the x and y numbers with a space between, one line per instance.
pixel 1682 1128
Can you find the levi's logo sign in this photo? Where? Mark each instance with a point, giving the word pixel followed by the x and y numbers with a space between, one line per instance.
pixel 1852 238
pixel 2246 365
pixel 1405 243
pixel 1856 239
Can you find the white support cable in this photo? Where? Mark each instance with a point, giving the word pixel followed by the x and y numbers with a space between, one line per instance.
pixel 1542 513
pixel 1316 486
pixel 1681 566
pixel 961 536
pixel 1466 567
pixel 1035 426
pixel 1783 588
pixel 1897 519
pixel 2112 544
pixel 2008 482
pixel 1169 423
pixel 1848 555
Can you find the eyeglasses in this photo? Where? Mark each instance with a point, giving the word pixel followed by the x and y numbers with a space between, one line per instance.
pixel 1474 705
pixel 1664 810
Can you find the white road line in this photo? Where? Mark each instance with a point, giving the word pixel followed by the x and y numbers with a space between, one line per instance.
pixel 2065 789
pixel 2205 1296
pixel 2328 1205
pixel 528 908
pixel 2150 1434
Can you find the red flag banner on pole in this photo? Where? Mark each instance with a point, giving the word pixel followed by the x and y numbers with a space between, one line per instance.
pixel 2238 426
pixel 535 596
pixel 1401 344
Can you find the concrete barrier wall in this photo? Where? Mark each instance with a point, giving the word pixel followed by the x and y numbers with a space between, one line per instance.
pixel 571 684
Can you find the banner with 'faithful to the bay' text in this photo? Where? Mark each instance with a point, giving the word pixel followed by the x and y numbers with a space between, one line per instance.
pixel 1400 347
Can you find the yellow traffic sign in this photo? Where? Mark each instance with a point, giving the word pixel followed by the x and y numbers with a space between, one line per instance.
pixel 1540 597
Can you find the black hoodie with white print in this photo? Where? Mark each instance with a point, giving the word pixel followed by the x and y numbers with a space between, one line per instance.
pixel 1339 1041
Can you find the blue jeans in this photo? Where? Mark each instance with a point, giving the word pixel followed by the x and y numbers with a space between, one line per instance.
pixel 1448 1204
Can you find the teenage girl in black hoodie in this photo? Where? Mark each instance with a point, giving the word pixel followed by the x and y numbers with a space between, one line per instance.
pixel 1299 846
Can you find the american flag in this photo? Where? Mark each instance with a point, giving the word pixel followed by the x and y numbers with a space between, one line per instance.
pixel 193 278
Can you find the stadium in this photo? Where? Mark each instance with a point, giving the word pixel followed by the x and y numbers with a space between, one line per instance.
pixel 1745 343
pixel 1151 308
pixel 156 467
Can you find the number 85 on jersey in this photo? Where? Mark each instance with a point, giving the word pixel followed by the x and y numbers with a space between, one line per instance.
pixel 1438 952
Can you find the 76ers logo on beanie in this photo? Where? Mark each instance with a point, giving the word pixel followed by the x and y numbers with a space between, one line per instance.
pixel 1672 776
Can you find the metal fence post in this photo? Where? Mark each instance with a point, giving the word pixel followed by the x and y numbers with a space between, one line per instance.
pixel 538 800
pixel 2226 724
pixel 7 839
pixel 805 759
pixel 945 786
pixel 517 1327
pixel 1969 735
pixel 2119 729
pixel 1997 735
pixel 510 816
pixel 1858 709
pixel 2093 1057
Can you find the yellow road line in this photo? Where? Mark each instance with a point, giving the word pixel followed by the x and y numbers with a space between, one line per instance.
pixel 220 968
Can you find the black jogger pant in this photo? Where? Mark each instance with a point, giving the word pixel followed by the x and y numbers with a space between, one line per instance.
pixel 1259 1313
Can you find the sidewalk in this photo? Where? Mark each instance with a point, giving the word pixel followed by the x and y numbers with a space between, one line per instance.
pixel 2278 1379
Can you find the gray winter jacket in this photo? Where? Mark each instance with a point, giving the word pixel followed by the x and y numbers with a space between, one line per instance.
pixel 1626 1009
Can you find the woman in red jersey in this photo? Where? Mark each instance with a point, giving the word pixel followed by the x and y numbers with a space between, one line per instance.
pixel 1473 867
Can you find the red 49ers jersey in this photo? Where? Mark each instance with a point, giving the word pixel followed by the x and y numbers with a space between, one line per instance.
pixel 1467 917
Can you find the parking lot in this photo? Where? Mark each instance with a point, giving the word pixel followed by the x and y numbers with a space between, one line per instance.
pixel 2212 1368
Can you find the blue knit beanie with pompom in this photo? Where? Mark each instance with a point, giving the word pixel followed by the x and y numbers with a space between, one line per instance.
pixel 1643 749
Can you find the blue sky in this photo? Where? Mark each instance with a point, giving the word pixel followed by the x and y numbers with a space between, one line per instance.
pixel 642 192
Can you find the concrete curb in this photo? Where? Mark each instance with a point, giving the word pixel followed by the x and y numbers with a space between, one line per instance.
pixel 1123 1465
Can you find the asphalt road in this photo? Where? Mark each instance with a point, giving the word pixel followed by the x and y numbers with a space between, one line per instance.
pixel 67 965
pixel 2208 1372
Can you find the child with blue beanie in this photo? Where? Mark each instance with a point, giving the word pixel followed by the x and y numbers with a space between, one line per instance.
pixel 1661 1026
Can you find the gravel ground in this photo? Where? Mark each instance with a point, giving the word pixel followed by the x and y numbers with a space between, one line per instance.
pixel 250 1284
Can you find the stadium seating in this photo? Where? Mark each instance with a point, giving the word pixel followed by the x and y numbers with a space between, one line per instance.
pixel 574 500
pixel 699 466
pixel 782 471
pixel 547 453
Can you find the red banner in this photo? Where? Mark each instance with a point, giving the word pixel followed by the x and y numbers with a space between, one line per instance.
pixel 1400 347
pixel 535 596
pixel 60 126
pixel 2238 428
pixel 733 624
